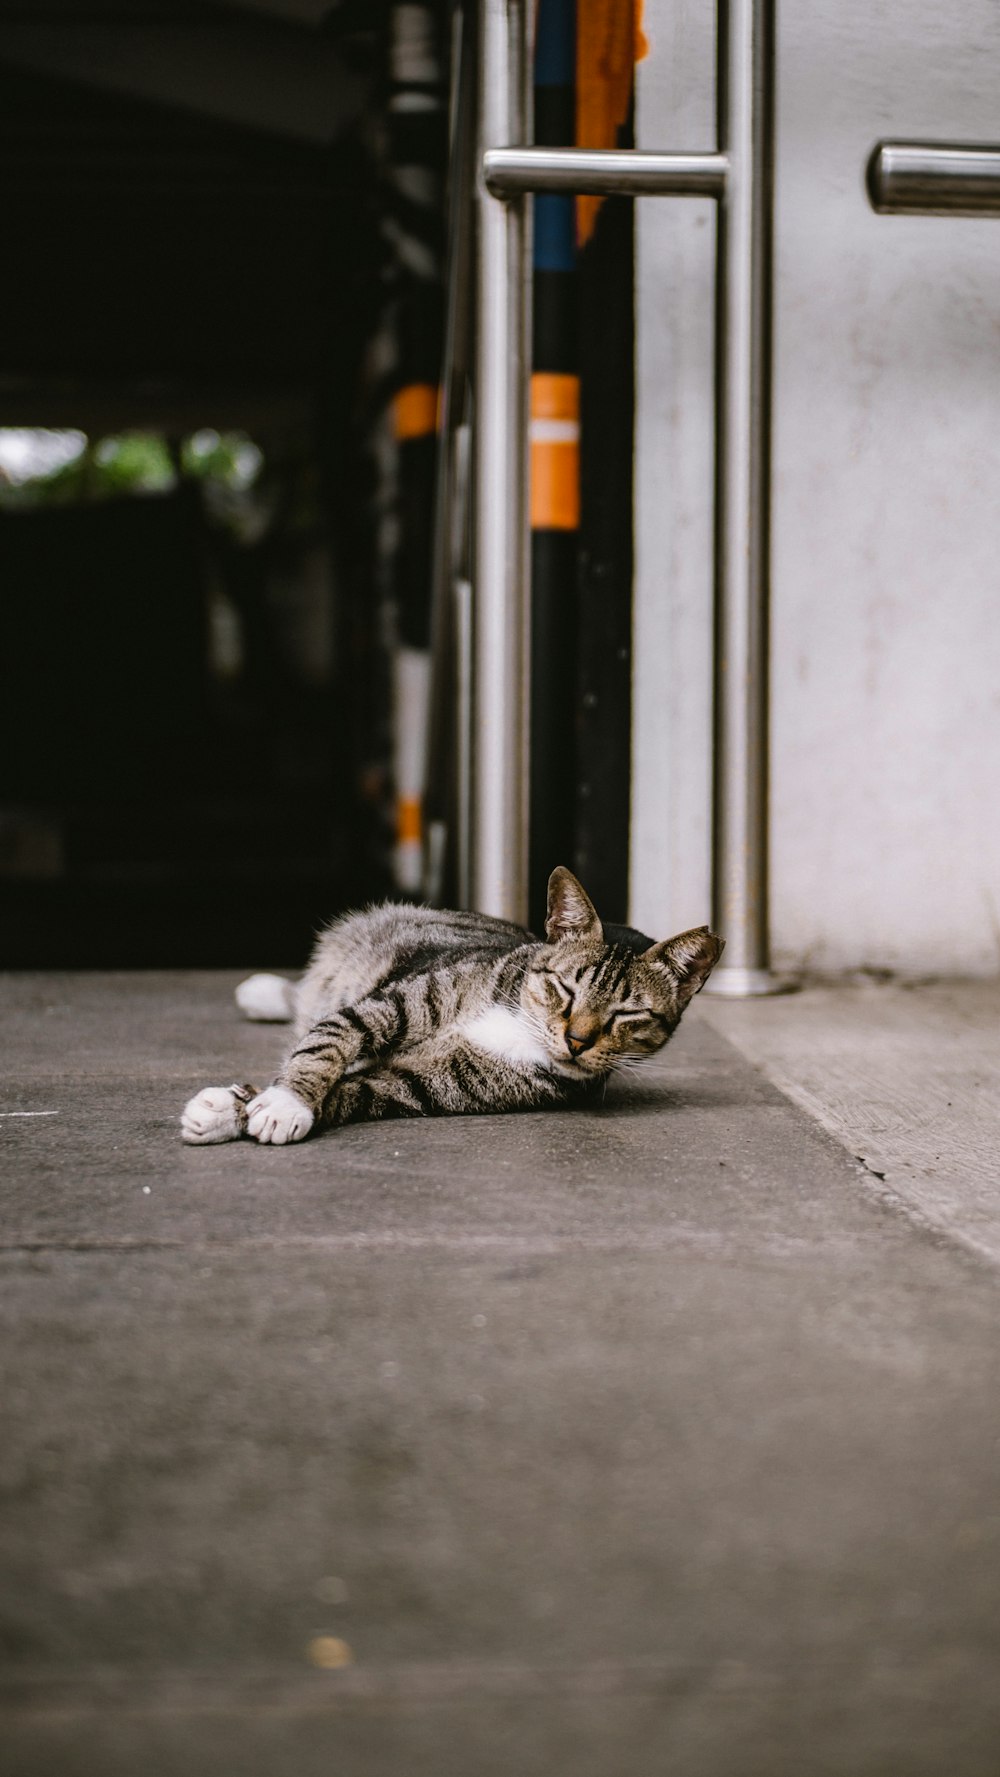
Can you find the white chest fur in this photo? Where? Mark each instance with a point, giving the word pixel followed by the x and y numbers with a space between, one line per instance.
pixel 509 1036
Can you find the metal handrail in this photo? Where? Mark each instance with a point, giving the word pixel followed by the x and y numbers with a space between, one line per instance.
pixel 603 172
pixel 739 175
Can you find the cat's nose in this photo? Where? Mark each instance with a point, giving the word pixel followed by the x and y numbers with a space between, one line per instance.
pixel 579 1040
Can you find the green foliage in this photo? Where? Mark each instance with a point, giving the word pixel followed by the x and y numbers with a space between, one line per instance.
pixel 137 463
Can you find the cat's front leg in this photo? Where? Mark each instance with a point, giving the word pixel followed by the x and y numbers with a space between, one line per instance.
pixel 455 1079
pixel 225 1113
pixel 336 1046
pixel 378 1096
pixel 278 1116
pixel 216 1113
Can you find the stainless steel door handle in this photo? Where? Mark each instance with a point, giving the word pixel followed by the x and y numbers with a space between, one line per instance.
pixel 934 179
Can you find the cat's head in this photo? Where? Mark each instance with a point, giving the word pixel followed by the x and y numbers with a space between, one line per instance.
pixel 596 1003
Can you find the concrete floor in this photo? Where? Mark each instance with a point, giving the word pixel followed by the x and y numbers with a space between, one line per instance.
pixel 905 1075
pixel 663 1438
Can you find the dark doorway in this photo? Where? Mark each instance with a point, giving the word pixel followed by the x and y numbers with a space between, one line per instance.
pixel 190 708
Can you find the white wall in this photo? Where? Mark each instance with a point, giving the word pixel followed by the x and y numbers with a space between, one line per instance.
pixel 886 502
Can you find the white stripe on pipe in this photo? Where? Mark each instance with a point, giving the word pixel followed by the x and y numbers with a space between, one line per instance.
pixel 554 431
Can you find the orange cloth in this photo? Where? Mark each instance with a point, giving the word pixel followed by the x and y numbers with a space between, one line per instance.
pixel 609 42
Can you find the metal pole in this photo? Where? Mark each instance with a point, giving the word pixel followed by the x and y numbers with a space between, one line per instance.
pixel 446 798
pixel 501 601
pixel 934 179
pixel 743 387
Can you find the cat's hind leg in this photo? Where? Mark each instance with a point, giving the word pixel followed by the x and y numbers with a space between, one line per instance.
pixel 217 1113
pixel 267 999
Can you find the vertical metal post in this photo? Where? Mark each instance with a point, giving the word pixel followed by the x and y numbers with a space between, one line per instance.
pixel 741 174
pixel 501 609
pixel 743 439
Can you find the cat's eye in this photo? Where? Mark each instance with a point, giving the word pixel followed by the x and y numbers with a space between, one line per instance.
pixel 628 1013
pixel 560 987
pixel 639 1025
pixel 635 1022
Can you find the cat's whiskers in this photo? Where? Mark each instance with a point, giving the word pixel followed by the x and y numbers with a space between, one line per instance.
pixel 628 1063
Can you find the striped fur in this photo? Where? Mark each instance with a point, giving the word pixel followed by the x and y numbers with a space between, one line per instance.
pixel 411 1012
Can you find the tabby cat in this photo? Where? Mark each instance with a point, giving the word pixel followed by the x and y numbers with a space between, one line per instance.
pixel 410 1012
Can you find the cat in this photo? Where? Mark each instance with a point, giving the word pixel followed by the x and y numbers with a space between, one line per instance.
pixel 410 1012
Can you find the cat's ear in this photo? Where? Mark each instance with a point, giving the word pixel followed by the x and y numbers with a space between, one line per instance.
pixel 570 912
pixel 690 958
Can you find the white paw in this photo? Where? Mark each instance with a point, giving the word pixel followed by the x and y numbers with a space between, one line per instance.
pixel 213 1115
pixel 277 1115
pixel 267 999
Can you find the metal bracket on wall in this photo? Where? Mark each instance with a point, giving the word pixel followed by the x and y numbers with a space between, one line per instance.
pixel 739 175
